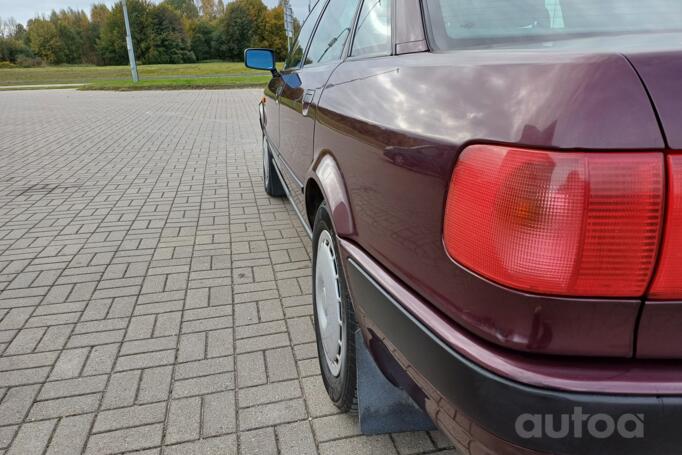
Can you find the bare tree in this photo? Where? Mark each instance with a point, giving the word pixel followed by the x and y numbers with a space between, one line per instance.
pixel 8 27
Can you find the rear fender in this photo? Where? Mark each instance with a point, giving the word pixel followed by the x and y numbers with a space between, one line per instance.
pixel 326 173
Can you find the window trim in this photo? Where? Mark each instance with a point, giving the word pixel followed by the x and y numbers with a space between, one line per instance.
pixel 391 49
pixel 428 28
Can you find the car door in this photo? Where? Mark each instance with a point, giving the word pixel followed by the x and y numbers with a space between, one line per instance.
pixel 304 79
pixel 276 85
pixel 270 111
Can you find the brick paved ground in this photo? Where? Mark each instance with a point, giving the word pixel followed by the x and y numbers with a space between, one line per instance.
pixel 151 295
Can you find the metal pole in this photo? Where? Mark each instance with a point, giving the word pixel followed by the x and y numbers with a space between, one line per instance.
pixel 129 43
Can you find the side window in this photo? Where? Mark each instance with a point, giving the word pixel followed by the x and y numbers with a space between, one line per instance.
pixel 333 32
pixel 373 33
pixel 295 56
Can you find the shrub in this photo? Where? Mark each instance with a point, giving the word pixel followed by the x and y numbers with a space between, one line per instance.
pixel 26 61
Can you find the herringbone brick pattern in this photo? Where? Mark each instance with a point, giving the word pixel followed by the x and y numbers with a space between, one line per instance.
pixel 152 297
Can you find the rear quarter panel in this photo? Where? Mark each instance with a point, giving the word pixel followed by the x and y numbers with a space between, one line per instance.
pixel 395 126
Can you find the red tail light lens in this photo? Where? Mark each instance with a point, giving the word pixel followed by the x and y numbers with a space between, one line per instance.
pixel 668 282
pixel 579 224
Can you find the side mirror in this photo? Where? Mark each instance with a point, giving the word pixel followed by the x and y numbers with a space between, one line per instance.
pixel 260 59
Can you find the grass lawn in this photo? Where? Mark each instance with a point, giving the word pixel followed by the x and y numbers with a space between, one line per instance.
pixel 208 75
pixel 180 83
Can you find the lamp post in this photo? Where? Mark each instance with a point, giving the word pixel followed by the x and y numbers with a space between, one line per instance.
pixel 288 23
pixel 129 43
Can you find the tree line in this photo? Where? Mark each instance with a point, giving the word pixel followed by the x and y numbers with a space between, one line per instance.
pixel 173 31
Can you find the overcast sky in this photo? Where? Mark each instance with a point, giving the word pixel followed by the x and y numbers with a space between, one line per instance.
pixel 23 10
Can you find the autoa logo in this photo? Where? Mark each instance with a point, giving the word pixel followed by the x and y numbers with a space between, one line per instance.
pixel 578 425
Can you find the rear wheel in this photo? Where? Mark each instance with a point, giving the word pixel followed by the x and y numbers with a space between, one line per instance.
pixel 271 182
pixel 334 318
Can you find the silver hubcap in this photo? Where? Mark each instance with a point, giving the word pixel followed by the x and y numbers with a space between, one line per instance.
pixel 328 302
pixel 266 157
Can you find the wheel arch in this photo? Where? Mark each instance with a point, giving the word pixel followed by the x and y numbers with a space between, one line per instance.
pixel 325 183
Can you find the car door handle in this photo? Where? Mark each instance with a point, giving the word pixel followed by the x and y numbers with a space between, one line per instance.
pixel 307 101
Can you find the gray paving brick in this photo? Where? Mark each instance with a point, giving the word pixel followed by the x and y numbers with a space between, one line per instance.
pixel 258 442
pixel 69 364
pixel 280 364
pixel 53 320
pixel 251 369
pixel 129 417
pixel 223 445
pixel 184 420
pixel 264 342
pixel 277 391
pixel 204 367
pixel 259 330
pixel 412 443
pixel 70 387
pixel 148 345
pixel 316 397
pixel 220 295
pixel 15 318
pixel 220 343
pixel 100 325
pixel 155 384
pixel 192 347
pixel 205 313
pixel 297 439
pixel 21 377
pixel 25 341
pixel 203 385
pixel 125 440
pixel 246 313
pixel 271 414
pixel 270 310
pixel 301 330
pixel 121 390
pixel 55 338
pixel 27 361
pixel 101 359
pixel 70 435
pixel 167 324
pixel 140 327
pixel 62 407
pixel 96 310
pixel 32 438
pixel 16 403
pixel 219 414
pixel 122 307
pixel 309 368
pixel 6 435
pixel 359 445
pixel 214 323
pixel 93 339
pixel 336 427
pixel 145 360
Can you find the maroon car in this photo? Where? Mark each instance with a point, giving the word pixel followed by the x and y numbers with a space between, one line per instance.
pixel 495 200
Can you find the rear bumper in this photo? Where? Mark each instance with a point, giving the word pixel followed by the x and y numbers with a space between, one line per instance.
pixel 482 411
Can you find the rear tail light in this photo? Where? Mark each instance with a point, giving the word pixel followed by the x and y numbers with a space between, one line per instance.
pixel 668 282
pixel 579 224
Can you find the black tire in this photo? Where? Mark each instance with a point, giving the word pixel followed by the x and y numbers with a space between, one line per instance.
pixel 342 389
pixel 271 182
